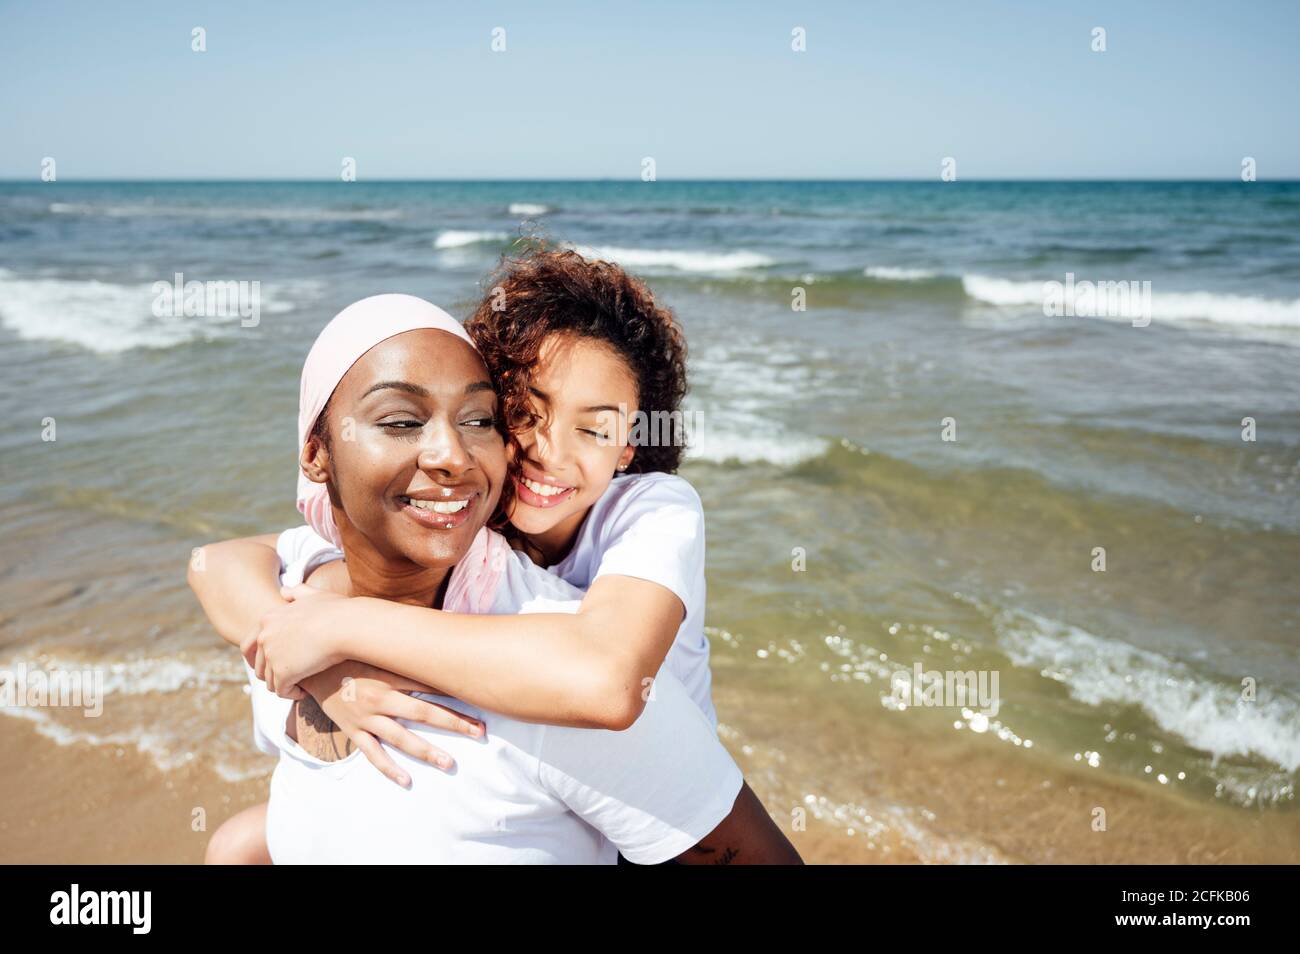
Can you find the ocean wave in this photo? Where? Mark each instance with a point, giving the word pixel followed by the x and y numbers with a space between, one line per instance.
pixel 1241 311
pixel 773 447
pixel 226 212
pixel 461 239
pixel 169 744
pixel 891 273
pixel 677 260
pixel 110 318
pixel 528 209
pixel 1209 715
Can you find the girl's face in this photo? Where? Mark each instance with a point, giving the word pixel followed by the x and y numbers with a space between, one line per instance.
pixel 584 395
pixel 414 460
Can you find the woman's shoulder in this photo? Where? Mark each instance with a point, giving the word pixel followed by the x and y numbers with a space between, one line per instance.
pixel 297 543
pixel 302 550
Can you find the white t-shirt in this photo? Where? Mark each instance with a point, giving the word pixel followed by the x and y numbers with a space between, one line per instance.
pixel 524 794
pixel 651 526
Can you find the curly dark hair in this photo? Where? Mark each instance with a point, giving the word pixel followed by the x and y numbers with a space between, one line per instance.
pixel 545 291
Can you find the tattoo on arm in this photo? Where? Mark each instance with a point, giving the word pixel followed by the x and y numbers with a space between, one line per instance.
pixel 728 855
pixel 322 730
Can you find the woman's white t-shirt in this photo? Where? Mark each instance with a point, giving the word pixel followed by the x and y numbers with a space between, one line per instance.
pixel 526 793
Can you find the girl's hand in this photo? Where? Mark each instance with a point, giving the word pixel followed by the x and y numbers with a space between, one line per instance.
pixel 365 702
pixel 293 642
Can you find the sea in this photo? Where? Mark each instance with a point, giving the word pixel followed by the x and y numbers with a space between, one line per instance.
pixel 921 453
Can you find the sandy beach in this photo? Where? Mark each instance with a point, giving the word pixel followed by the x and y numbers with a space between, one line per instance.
pixel 95 804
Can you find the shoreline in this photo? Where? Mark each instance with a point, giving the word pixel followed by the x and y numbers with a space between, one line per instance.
pixel 904 807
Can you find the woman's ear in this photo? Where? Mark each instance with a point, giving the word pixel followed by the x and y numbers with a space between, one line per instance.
pixel 315 460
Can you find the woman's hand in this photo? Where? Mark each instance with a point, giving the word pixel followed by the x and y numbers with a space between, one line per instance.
pixel 365 702
pixel 293 642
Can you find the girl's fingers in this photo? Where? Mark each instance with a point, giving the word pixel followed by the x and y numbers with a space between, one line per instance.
pixel 402 706
pixel 407 741
pixel 379 758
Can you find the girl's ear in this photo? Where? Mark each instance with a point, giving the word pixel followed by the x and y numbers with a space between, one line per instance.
pixel 315 460
pixel 625 458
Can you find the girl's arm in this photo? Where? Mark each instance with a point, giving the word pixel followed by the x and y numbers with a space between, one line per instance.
pixel 237 581
pixel 590 669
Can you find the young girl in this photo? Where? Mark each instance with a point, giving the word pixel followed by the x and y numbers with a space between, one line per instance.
pixel 580 352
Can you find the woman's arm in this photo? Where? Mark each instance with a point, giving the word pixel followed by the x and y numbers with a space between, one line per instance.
pixel 589 669
pixel 747 836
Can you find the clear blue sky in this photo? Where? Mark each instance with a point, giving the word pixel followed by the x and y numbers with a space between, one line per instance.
pixel 585 90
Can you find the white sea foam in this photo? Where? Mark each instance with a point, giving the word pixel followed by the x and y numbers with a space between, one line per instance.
pixel 677 260
pixel 1210 715
pixel 528 208
pixel 169 743
pixel 891 273
pixel 766 444
pixel 1241 312
pixel 460 239
pixel 109 317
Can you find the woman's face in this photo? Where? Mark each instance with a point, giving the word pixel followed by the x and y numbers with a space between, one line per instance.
pixel 584 395
pixel 414 459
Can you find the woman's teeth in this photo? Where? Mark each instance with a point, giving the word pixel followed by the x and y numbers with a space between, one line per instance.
pixel 439 506
pixel 544 490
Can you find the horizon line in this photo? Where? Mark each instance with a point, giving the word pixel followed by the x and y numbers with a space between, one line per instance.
pixel 630 181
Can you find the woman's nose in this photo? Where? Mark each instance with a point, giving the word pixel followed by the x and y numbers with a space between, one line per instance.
pixel 443 450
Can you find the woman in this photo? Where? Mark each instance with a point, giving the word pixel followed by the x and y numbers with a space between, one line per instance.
pixel 396 427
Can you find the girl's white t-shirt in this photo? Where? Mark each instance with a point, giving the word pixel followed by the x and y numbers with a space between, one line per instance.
pixel 651 526
pixel 526 793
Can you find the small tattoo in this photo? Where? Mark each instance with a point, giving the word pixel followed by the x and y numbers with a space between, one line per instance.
pixel 729 854
pixel 321 731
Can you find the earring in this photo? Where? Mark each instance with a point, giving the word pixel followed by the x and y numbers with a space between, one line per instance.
pixel 622 467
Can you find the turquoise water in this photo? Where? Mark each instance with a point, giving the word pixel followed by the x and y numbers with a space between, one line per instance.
pixel 820 430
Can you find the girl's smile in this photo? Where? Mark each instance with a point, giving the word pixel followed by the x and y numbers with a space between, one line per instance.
pixel 538 490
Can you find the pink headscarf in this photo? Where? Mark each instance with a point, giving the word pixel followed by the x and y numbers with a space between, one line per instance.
pixel 349 335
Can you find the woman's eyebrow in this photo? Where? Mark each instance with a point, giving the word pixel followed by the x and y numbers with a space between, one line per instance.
pixel 415 389
pixel 406 386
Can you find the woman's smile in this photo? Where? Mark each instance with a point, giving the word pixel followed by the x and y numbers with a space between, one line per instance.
pixel 443 511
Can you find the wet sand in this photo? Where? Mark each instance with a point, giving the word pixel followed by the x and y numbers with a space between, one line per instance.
pixel 899 793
